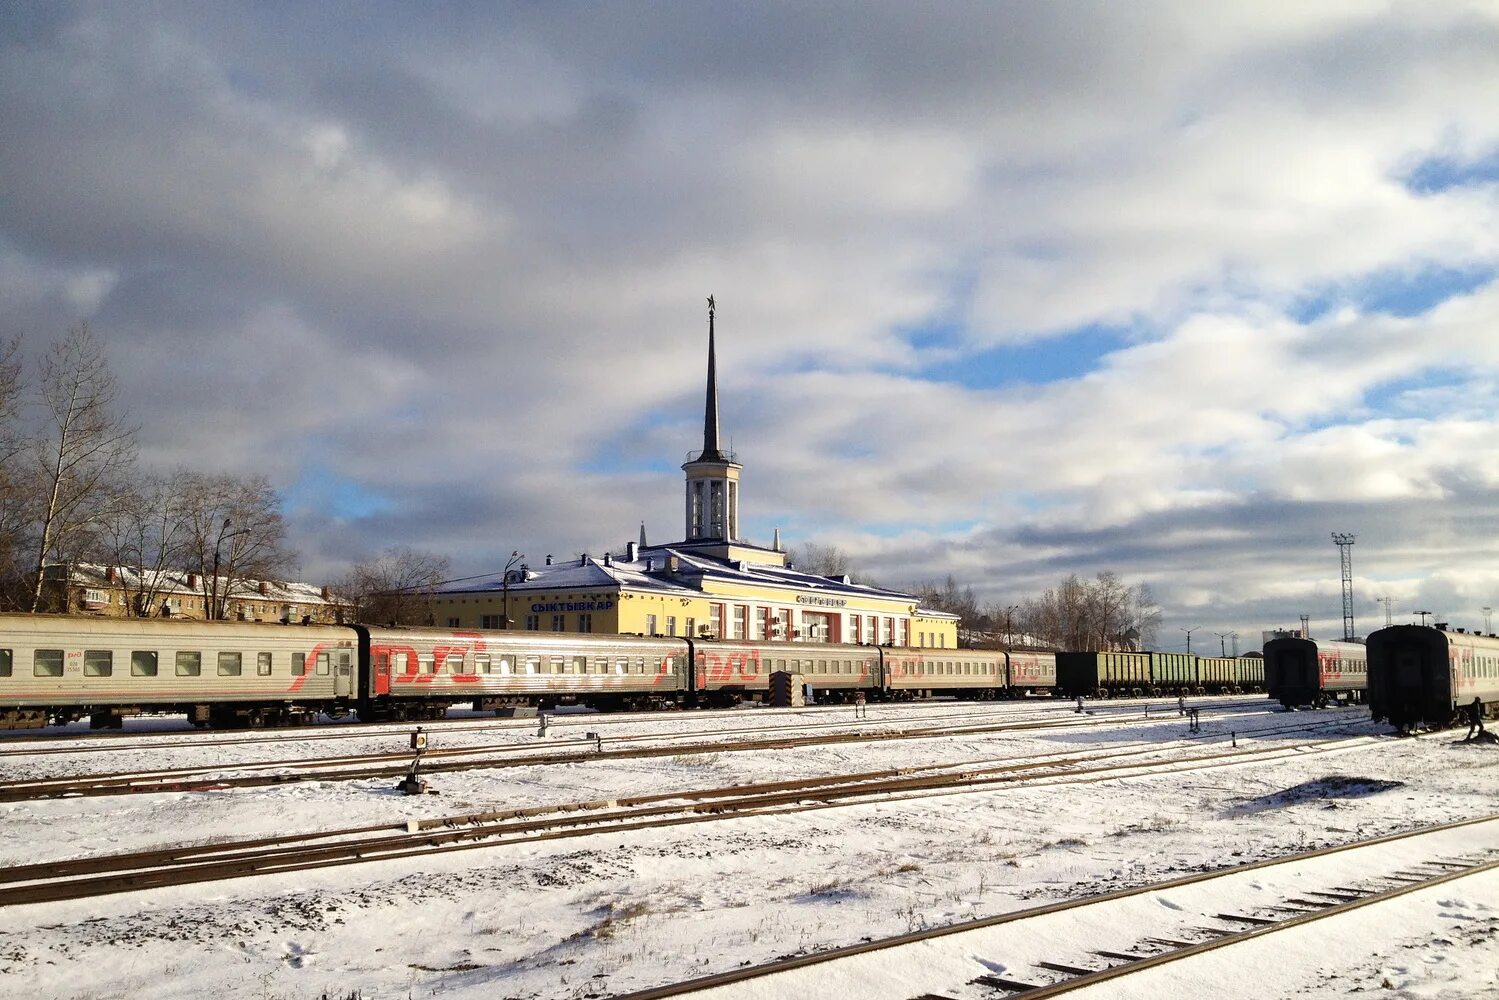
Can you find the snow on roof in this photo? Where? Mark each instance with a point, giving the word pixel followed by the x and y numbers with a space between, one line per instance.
pixel 176 582
pixel 670 569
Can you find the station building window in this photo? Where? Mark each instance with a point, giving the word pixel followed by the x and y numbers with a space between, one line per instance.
pixel 650 624
pixel 585 622
pixel 452 623
pixel 741 621
pixel 671 624
pixel 692 626
pixel 559 622
pixel 489 621
pixel 533 623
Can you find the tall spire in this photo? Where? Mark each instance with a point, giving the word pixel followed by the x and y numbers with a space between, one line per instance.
pixel 710 411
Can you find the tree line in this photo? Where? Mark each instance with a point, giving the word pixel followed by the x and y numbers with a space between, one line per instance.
pixel 1076 614
pixel 73 490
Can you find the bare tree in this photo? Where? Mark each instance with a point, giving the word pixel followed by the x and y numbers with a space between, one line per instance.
pixel 83 453
pixel 957 600
pixel 147 536
pixel 13 494
pixel 820 559
pixel 1102 614
pixel 396 588
pixel 233 534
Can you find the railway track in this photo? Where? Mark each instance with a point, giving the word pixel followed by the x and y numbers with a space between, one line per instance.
pixel 61 880
pixel 495 756
pixel 1058 948
pixel 93 743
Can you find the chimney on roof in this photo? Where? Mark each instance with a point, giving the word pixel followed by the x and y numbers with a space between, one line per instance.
pixel 264 588
pixel 327 595
pixel 110 574
pixel 608 558
pixel 549 559
pixel 642 534
pixel 632 552
pixel 583 559
pixel 192 581
pixel 777 543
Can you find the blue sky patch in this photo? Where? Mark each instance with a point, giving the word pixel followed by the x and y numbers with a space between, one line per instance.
pixel 1440 173
pixel 1070 354
pixel 1397 291
pixel 321 489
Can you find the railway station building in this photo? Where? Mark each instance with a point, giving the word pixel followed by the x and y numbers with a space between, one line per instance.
pixel 713 583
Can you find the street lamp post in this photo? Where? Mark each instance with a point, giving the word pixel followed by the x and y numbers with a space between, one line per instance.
pixel 515 557
pixel 1189 632
pixel 216 613
pixel 1424 615
pixel 1223 642
pixel 1009 635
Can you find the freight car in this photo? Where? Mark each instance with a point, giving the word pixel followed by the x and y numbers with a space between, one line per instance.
pixel 58 669
pixel 1419 675
pixel 1315 671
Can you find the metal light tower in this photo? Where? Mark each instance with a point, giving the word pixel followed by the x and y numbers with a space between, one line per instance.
pixel 1189 632
pixel 1388 621
pixel 1223 643
pixel 1487 625
pixel 1344 542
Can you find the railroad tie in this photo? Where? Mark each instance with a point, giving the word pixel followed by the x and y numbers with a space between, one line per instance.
pixel 1070 970
pixel 1122 955
pixel 1215 931
pixel 1245 920
pixel 1342 897
pixel 1001 983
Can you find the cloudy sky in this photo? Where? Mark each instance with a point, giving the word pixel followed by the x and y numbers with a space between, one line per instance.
pixel 1005 291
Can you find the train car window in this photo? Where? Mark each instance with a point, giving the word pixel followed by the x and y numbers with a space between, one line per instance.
pixel 5 662
pixel 229 664
pixel 46 663
pixel 98 662
pixel 189 664
pixel 322 663
pixel 580 664
pixel 456 662
pixel 533 664
pixel 263 664
pixel 143 663
pixel 507 665
pixel 482 664
pixel 780 664
pixel 640 664
pixel 299 664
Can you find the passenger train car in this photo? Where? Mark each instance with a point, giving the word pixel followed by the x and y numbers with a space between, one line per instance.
pixel 57 669
pixel 1419 675
pixel 1315 671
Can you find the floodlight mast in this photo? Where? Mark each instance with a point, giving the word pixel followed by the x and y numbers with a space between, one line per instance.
pixel 1344 542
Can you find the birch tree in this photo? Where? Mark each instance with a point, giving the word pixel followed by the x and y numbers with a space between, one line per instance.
pixel 233 533
pixel 83 453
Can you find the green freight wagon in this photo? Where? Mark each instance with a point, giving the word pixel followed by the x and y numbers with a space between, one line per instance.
pixel 1174 673
pixel 1249 673
pixel 1103 675
pixel 1216 674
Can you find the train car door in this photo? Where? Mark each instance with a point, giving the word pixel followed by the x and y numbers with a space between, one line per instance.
pixel 343 675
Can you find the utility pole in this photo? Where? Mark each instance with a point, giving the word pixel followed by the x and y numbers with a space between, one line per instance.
pixel 1344 541
pixel 1424 615
pixel 1223 643
pixel 1388 621
pixel 1189 632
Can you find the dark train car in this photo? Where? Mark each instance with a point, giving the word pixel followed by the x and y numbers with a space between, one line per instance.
pixel 1031 672
pixel 1425 676
pixel 1315 671
pixel 1103 675
pixel 962 673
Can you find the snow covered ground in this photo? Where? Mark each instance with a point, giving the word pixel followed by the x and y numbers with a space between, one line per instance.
pixel 608 913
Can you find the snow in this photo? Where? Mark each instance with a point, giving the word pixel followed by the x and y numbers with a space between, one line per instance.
pixel 608 913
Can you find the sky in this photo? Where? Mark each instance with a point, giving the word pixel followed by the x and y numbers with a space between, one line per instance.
pixel 1005 291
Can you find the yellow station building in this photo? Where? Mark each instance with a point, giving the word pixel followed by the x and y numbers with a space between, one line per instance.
pixel 713 583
